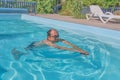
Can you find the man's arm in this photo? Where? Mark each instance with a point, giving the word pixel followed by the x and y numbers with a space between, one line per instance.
pixel 60 47
pixel 75 47
pixel 65 48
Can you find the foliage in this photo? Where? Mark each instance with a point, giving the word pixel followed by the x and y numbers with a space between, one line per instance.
pixel 77 8
pixel 45 6
pixel 66 7
pixel 102 3
pixel 72 8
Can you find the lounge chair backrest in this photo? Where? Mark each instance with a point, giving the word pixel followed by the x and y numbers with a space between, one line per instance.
pixel 96 10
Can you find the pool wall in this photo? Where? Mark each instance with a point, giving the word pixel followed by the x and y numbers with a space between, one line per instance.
pixel 6 16
pixel 13 10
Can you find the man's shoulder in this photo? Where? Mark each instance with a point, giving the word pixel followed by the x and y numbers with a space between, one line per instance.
pixel 46 42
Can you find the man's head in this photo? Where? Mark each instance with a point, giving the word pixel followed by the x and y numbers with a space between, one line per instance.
pixel 52 35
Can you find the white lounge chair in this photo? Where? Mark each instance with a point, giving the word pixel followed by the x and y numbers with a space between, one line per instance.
pixel 96 12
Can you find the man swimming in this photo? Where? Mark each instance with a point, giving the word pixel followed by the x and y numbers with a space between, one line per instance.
pixel 52 39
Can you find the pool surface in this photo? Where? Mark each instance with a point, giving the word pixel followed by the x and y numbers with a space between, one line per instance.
pixel 47 63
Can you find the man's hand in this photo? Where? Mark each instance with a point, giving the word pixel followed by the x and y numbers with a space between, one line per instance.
pixel 83 52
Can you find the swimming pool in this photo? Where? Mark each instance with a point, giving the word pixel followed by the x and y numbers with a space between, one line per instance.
pixel 47 63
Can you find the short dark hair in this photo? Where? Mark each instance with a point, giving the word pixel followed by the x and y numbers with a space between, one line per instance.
pixel 49 32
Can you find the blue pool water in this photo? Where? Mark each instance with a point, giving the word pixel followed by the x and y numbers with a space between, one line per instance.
pixel 47 63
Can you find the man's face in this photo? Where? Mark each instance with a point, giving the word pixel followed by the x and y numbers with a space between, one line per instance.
pixel 53 36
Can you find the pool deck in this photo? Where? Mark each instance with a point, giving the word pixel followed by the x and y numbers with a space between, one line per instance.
pixel 95 23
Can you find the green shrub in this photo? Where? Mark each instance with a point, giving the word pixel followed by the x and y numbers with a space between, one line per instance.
pixel 72 8
pixel 45 6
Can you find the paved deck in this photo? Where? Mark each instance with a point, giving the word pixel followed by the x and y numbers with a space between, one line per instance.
pixel 95 23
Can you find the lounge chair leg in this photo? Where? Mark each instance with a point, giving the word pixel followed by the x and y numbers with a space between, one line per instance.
pixel 88 16
pixel 102 19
